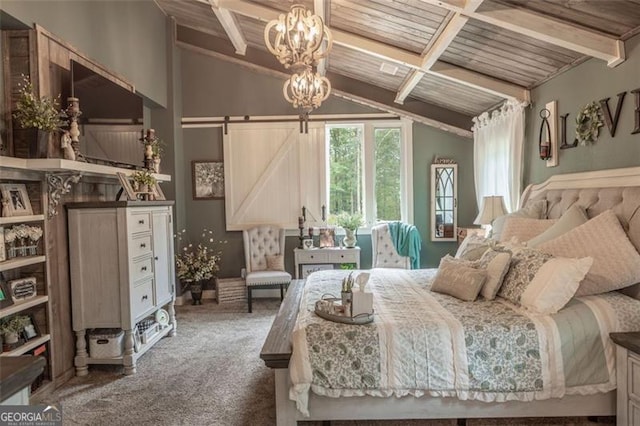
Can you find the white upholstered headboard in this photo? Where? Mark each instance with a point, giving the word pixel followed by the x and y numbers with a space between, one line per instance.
pixel 616 189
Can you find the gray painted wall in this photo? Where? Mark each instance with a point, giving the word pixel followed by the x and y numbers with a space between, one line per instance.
pixel 592 80
pixel 127 37
pixel 211 87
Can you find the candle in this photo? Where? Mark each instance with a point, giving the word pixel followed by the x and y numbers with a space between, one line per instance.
pixel 300 222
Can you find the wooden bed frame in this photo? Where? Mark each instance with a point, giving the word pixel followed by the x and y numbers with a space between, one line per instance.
pixel 276 351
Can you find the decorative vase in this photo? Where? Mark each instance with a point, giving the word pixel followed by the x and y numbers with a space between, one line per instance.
pixel 196 292
pixel 148 152
pixel 156 164
pixel 350 238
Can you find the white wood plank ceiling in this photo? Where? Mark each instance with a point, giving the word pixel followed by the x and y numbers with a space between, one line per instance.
pixel 453 59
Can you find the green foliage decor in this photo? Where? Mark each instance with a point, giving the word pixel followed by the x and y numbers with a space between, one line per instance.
pixel 350 221
pixel 588 123
pixel 14 324
pixel 143 177
pixel 34 112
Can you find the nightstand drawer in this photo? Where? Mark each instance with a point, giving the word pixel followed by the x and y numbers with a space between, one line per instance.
pixel 142 298
pixel 633 366
pixel 312 256
pixel 139 222
pixel 343 257
pixel 140 245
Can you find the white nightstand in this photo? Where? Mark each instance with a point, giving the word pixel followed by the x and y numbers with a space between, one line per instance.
pixel 332 256
pixel 627 377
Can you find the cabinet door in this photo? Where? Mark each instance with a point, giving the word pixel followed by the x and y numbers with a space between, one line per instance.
pixel 163 256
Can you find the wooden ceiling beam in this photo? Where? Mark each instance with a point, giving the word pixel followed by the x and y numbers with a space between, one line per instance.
pixel 393 54
pixel 437 48
pixel 345 87
pixel 319 9
pixel 549 30
pixel 231 26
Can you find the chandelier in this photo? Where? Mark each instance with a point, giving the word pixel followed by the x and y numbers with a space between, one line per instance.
pixel 306 90
pixel 296 40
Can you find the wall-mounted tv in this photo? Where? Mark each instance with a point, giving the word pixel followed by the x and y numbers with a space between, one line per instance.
pixel 111 118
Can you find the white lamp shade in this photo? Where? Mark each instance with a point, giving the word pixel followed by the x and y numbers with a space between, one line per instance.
pixel 492 207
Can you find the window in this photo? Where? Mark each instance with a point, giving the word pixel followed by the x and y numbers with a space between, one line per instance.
pixel 369 170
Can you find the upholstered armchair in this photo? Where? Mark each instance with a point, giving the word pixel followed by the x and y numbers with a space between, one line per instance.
pixel 384 254
pixel 264 259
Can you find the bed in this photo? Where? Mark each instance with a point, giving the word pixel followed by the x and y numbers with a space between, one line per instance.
pixel 597 192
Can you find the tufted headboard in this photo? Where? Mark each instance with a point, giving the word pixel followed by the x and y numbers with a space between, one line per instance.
pixel 616 189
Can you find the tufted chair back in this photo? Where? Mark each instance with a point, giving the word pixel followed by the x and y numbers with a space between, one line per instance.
pixel 384 254
pixel 260 242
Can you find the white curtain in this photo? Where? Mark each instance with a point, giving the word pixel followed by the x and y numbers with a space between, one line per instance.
pixel 498 140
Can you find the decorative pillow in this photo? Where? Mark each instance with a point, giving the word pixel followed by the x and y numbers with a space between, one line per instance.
pixel 543 283
pixel 524 228
pixel 525 264
pixel 275 262
pixel 555 284
pixel 473 247
pixel 496 263
pixel 459 279
pixel 573 217
pixel 616 263
pixel 536 210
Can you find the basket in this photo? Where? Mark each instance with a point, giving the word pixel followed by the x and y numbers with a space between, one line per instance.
pixel 231 290
pixel 106 343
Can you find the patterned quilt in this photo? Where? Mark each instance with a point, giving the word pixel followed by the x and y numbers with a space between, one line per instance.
pixel 422 342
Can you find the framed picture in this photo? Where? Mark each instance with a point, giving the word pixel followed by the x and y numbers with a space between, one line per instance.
pixel 327 237
pixel 3 252
pixel 22 289
pixel 30 330
pixel 5 295
pixel 126 186
pixel 157 192
pixel 207 177
pixel 306 270
pixel 15 200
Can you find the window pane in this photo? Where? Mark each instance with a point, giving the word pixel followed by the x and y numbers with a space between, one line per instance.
pixel 345 170
pixel 387 176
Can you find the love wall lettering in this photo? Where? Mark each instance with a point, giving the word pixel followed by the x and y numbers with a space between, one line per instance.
pixel 611 120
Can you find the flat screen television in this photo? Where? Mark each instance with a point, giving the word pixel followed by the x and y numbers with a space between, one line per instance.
pixel 111 118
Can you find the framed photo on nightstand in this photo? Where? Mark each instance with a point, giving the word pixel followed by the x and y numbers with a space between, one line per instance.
pixel 15 200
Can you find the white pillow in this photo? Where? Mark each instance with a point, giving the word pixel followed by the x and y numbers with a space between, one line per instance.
pixel 616 263
pixel 524 228
pixel 573 217
pixel 536 210
pixel 555 284
pixel 473 247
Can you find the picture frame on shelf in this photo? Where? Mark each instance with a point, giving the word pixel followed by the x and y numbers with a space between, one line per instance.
pixel 127 187
pixel 23 289
pixel 157 192
pixel 15 200
pixel 207 177
pixel 5 295
pixel 30 331
pixel 327 237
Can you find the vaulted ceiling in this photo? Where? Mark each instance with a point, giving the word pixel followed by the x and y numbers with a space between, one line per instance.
pixel 440 62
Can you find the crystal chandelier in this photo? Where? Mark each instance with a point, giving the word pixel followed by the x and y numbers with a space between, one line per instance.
pixel 306 90
pixel 298 38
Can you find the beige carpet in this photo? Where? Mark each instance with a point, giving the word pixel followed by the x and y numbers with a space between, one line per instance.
pixel 209 374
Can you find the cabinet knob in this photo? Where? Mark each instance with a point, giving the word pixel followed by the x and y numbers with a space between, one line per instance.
pixel 144 268
pixel 143 245
pixel 145 297
pixel 156 258
pixel 141 222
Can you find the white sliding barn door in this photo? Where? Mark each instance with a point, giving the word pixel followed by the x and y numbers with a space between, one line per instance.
pixel 271 171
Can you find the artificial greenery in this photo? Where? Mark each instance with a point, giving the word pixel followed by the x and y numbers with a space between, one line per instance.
pixel 588 123
pixel 350 221
pixel 14 324
pixel 197 262
pixel 143 177
pixel 34 112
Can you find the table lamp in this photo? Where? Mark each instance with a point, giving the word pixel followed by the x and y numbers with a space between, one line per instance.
pixel 492 207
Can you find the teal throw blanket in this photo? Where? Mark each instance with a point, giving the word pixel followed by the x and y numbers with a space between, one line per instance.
pixel 406 239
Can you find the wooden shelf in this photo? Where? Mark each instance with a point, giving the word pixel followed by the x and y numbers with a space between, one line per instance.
pixel 19 262
pixel 20 219
pixel 31 344
pixel 19 307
